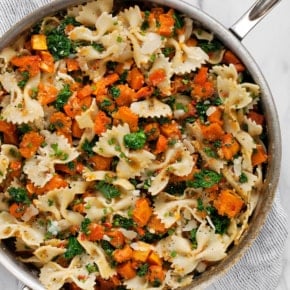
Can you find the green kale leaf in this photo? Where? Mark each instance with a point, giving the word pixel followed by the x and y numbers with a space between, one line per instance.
pixel 109 191
pixel 74 248
pixel 19 194
pixel 205 178
pixel 135 141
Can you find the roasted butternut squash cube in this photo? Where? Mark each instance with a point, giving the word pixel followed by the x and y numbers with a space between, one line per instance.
pixel 38 42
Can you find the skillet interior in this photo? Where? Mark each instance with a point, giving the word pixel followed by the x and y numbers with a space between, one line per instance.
pixel 272 125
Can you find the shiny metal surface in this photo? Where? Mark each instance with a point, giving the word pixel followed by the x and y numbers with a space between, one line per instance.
pixel 274 140
pixel 252 17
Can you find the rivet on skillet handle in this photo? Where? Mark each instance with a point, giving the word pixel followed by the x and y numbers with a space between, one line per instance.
pixel 254 15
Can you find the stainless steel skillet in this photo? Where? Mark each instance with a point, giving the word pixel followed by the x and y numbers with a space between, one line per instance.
pixel 232 39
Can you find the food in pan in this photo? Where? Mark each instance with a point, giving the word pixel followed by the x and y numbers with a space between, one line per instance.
pixel 132 148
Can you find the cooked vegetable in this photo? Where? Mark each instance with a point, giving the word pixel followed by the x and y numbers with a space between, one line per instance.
pixel 135 141
pixel 220 222
pixel 205 178
pixel 125 115
pixel 142 212
pixel 142 270
pixel 123 222
pixel 126 270
pixel 228 203
pixel 123 255
pixel 38 42
pixel 19 195
pixel 29 144
pixel 259 156
pixel 62 97
pixel 74 248
pixel 109 191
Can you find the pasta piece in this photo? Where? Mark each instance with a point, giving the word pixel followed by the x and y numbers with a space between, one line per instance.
pixel 10 227
pixel 214 163
pixel 98 257
pixel 226 72
pixel 112 139
pixel 203 34
pixel 56 151
pixel 101 175
pixel 131 163
pixel 4 163
pixel 86 119
pixel 53 276
pixel 187 58
pixel 253 128
pixel 131 17
pixel 151 108
pixel 89 13
pixel 171 165
pixel 44 254
pixel 61 199
pixel 168 208
pixel 162 63
pixel 5 56
pixel 22 108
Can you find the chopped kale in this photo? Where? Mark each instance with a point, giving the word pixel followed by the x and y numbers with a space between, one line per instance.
pixel 58 153
pixel 87 147
pixel 210 46
pixel 123 77
pixel 69 20
pixel 107 247
pixel 23 129
pixel 217 101
pixel 115 92
pixel 74 248
pixel 156 283
pixel 221 223
pixel 168 51
pixel 192 237
pixel 62 97
pixel 105 103
pixel 85 226
pixel 109 191
pixel 145 23
pixel 150 237
pixel 59 45
pixel 201 108
pixel 25 77
pixel 92 268
pixel 176 188
pixel 209 152
pixel 135 141
pixel 217 144
pixel 71 165
pixel 179 22
pixel 123 222
pixel 19 194
pixel 142 270
pixel 243 178
pixel 98 47
pixel 205 178
pixel 200 204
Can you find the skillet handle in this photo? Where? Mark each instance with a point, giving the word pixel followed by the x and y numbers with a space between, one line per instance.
pixel 254 15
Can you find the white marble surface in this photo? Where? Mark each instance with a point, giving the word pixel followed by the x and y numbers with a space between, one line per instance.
pixel 269 44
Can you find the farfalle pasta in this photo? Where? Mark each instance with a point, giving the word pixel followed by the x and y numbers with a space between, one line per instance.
pixel 133 148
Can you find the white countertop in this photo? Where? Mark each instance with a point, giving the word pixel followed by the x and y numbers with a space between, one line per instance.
pixel 269 44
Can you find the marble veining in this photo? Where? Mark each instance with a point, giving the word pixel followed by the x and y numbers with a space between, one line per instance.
pixel 269 44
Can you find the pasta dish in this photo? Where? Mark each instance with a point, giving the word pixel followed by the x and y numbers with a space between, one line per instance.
pixel 132 148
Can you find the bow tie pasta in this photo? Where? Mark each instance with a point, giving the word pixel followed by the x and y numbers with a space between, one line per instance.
pixel 132 148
